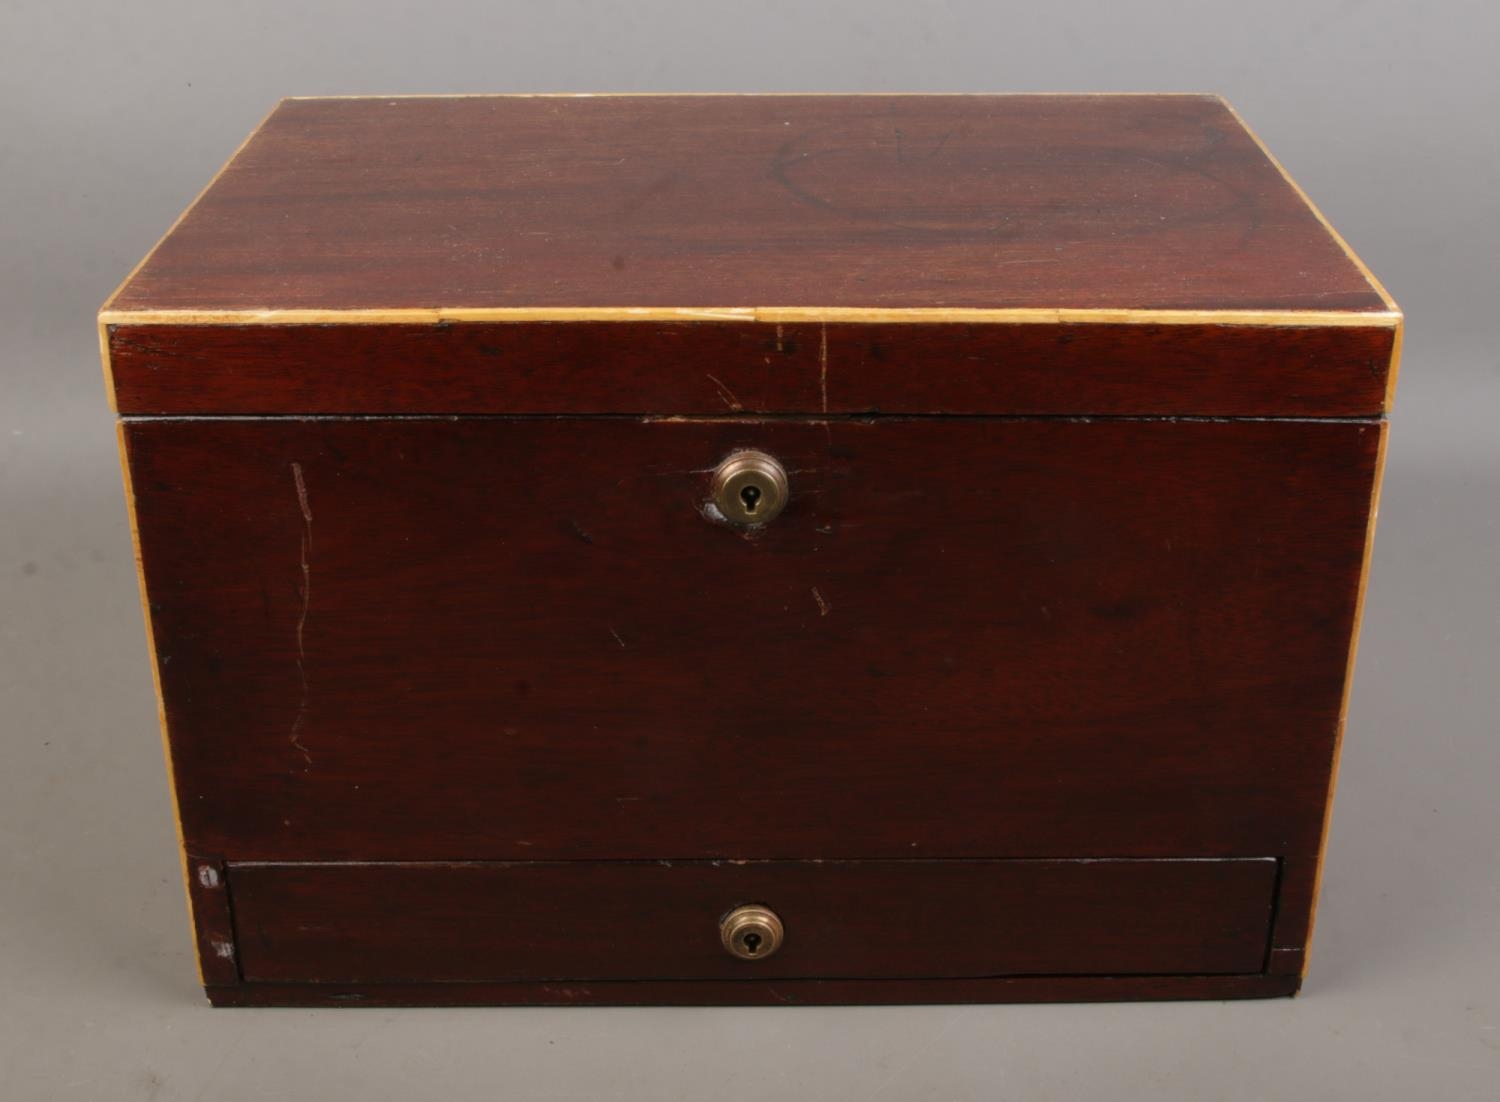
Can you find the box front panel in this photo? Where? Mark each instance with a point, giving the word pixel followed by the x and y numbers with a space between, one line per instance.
pixel 522 639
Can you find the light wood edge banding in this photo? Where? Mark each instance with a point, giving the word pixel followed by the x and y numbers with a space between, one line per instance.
pixel 1364 270
pixel 756 95
pixel 108 366
pixel 161 707
pixel 109 302
pixel 1395 366
pixel 1383 428
pixel 1391 317
pixel 765 315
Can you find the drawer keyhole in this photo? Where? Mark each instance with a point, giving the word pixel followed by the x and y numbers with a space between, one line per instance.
pixel 751 932
pixel 748 489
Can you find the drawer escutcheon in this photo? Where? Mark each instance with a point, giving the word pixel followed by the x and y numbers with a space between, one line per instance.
pixel 749 488
pixel 751 932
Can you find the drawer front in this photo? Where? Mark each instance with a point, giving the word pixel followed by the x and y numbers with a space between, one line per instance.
pixel 476 922
pixel 519 639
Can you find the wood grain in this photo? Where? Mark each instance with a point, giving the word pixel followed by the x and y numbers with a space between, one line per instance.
pixel 1133 202
pixel 518 638
pixel 730 367
pixel 213 922
pixel 1082 402
pixel 582 920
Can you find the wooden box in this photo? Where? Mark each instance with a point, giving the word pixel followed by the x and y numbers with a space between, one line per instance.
pixel 476 688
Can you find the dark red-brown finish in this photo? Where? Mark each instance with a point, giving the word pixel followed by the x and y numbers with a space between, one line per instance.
pixel 752 201
pixel 213 921
pixel 1294 911
pixel 491 639
pixel 659 920
pixel 1032 691
pixel 1022 989
pixel 520 639
pixel 724 367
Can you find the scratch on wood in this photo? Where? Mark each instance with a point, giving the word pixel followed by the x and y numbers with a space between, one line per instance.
pixel 823 381
pixel 307 534
pixel 824 608
pixel 619 640
pixel 780 339
pixel 223 949
pixel 724 392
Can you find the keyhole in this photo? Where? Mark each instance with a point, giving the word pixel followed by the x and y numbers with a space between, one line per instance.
pixel 752 943
pixel 750 495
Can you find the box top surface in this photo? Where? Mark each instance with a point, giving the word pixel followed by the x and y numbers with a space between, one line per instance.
pixel 787 207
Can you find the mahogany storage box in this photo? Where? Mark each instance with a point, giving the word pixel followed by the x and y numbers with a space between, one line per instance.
pixel 751 549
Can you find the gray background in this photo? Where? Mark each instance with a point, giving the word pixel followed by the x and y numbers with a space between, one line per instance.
pixel 113 115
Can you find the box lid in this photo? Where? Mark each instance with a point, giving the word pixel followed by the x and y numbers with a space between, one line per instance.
pixel 741 254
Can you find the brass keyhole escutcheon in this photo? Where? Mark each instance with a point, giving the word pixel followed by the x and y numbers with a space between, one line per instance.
pixel 749 489
pixel 751 932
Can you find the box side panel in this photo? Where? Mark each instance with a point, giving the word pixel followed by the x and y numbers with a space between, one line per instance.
pixel 1305 882
pixel 203 879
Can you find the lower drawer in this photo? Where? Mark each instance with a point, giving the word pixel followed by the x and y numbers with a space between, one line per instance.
pixel 627 920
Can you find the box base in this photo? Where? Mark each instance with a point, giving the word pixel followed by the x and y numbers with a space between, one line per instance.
pixel 1025 989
